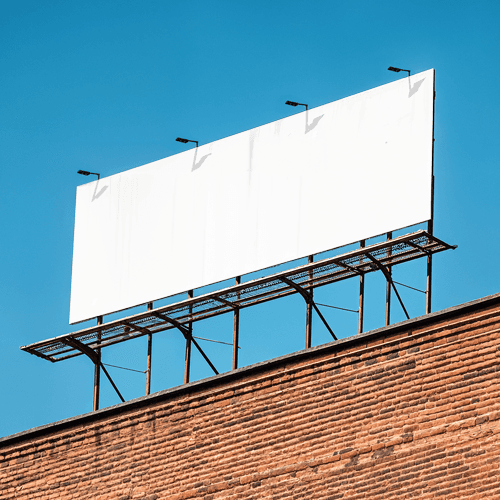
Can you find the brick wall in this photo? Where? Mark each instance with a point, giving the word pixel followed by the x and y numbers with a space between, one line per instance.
pixel 407 411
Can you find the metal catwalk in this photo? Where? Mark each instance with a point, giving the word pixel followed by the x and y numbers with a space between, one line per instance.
pixel 379 256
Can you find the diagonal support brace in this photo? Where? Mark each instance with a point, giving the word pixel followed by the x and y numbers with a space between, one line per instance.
pixel 84 349
pixel 309 300
pixel 183 329
pixel 187 335
pixel 90 353
pixel 389 279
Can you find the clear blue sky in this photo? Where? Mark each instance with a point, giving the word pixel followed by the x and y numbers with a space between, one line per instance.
pixel 107 86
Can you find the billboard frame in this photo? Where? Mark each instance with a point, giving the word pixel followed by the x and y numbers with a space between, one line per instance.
pixel 302 279
pixel 181 315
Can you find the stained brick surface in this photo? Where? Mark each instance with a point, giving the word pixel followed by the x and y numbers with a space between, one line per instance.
pixel 406 412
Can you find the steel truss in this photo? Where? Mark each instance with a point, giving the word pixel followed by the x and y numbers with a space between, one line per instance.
pixel 302 279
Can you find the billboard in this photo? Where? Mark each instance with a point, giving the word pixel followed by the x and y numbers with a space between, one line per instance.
pixel 317 180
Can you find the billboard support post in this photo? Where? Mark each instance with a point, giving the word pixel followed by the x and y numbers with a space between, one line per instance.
pixel 428 290
pixel 189 337
pixel 148 367
pixel 187 333
pixel 309 308
pixel 94 354
pixel 389 279
pixel 430 223
pixel 361 293
pixel 97 371
pixel 388 285
pixel 236 328
pixel 309 300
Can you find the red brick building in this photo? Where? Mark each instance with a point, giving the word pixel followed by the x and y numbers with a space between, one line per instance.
pixel 407 411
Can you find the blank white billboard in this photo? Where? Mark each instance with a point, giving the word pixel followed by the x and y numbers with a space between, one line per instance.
pixel 317 180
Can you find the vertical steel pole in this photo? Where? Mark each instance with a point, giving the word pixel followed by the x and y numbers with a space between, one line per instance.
pixel 309 310
pixel 97 370
pixel 187 362
pixel 236 330
pixel 150 347
pixel 388 287
pixel 429 272
pixel 361 294
pixel 430 224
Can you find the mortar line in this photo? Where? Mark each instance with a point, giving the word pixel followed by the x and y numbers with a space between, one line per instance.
pixel 333 359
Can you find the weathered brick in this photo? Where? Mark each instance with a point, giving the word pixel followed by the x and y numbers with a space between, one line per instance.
pixel 394 416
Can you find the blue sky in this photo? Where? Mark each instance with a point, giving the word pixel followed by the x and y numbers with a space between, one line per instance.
pixel 107 86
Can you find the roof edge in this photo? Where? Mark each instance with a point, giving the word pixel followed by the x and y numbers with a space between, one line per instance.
pixel 246 370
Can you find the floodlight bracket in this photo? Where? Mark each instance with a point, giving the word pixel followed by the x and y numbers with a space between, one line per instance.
pixel 87 173
pixel 397 70
pixel 295 104
pixel 185 141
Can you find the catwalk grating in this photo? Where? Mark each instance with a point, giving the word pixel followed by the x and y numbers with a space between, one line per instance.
pixel 316 274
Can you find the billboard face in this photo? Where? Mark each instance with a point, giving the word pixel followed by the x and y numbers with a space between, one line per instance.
pixel 317 180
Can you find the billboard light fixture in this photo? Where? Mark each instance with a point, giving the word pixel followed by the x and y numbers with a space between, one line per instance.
pixel 293 103
pixel 185 141
pixel 397 70
pixel 86 172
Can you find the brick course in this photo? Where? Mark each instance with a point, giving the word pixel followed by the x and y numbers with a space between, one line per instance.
pixel 407 411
